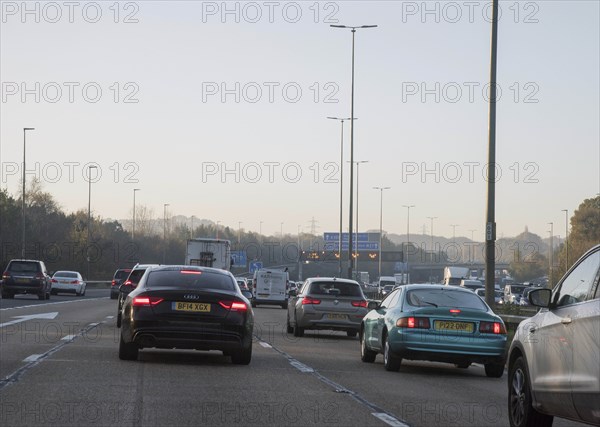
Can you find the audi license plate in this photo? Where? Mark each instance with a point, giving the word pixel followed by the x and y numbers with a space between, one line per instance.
pixel 446 325
pixel 196 307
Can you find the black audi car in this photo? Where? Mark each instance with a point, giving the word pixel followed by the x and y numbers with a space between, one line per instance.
pixel 187 307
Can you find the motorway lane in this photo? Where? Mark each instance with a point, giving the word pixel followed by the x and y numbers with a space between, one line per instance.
pixel 314 380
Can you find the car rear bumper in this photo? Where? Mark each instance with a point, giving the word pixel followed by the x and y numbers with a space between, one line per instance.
pixel 75 289
pixel 23 288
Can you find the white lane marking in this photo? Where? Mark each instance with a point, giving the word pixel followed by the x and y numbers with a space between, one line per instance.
pixel 301 366
pixel 32 358
pixel 19 319
pixel 68 337
pixel 110 317
pixel 93 324
pixel 265 345
pixel 52 303
pixel 389 420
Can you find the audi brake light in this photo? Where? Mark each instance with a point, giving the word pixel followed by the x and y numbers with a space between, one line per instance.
pixel 233 305
pixel 146 301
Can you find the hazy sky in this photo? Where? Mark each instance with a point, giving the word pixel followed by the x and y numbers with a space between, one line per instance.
pixel 219 109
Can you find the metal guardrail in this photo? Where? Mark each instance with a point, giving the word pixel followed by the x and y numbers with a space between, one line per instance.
pixel 98 284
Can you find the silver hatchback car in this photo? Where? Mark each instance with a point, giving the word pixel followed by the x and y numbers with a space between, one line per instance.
pixel 553 366
pixel 327 303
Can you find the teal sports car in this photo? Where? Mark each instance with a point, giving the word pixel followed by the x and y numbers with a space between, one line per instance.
pixel 435 323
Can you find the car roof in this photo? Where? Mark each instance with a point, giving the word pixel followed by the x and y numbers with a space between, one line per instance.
pixel 330 279
pixel 158 267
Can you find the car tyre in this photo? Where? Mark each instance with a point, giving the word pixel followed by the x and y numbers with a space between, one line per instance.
pixel 284 305
pixel 119 319
pixel 289 328
pixel 128 351
pixel 242 357
pixel 520 411
pixel 53 292
pixel 494 370
pixel 366 355
pixel 42 295
pixel 351 334
pixel 253 303
pixel 7 295
pixel 112 296
pixel 390 362
pixel 298 331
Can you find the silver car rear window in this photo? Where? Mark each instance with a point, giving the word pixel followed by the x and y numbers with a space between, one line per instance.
pixel 332 288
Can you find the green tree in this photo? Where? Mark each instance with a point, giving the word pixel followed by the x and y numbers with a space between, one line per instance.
pixel 530 267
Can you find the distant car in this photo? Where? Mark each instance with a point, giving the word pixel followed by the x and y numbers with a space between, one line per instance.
pixel 525 295
pixel 129 285
pixel 242 283
pixel 437 323
pixel 327 304
pixel 471 284
pixel 187 307
pixel 553 367
pixel 69 282
pixel 118 278
pixel 498 296
pixel 513 293
pixel 26 276
pixel 387 289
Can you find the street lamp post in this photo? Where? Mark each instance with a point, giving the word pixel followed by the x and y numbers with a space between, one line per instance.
pixel 454 236
pixel 472 240
pixel 133 226
pixel 358 162
pixel 380 221
pixel 551 257
pixel 239 232
pixel 405 276
pixel 192 228
pixel 432 251
pixel 89 225
pixel 566 211
pixel 353 30
pixel 281 231
pixel 165 232
pixel 23 197
pixel 340 241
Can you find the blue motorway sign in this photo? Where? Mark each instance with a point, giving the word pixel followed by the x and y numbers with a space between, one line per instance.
pixel 255 265
pixel 335 237
pixel 239 258
pixel 362 246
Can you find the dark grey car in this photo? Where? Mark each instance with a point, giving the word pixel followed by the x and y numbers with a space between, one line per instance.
pixel 26 276
pixel 327 303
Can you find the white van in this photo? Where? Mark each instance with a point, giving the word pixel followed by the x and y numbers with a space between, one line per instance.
pixel 270 287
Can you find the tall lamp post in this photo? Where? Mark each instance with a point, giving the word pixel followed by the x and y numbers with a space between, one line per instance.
pixel 454 236
pixel 23 197
pixel 165 232
pixel 472 240
pixel 380 221
pixel 566 211
pixel 405 278
pixel 239 233
pixel 342 120
pixel 353 30
pixel 192 228
pixel 432 249
pixel 133 226
pixel 358 162
pixel 551 257
pixel 89 225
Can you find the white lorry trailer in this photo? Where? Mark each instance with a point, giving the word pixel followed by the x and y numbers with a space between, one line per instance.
pixel 214 253
pixel 453 275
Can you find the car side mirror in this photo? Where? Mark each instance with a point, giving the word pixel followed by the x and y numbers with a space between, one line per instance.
pixel 372 305
pixel 540 297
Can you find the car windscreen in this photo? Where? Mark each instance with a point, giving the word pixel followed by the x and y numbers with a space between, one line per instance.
pixel 335 288
pixel 68 274
pixel 517 290
pixel 136 275
pixel 190 279
pixel 24 267
pixel 444 298
pixel 387 283
pixel 122 274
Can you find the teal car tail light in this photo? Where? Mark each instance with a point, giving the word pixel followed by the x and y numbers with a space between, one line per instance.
pixel 413 322
pixel 492 328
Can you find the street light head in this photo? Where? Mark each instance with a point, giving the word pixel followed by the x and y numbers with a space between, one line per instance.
pixel 28 129
pixel 339 26
pixel 367 26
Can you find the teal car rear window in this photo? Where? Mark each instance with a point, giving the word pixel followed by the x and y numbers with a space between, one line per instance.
pixel 444 298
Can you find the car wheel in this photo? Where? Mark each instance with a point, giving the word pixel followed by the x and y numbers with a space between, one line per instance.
pixel 520 411
pixel 351 334
pixel 112 296
pixel 128 351
pixel 284 305
pixel 366 355
pixel 494 370
pixel 242 357
pixel 289 328
pixel 119 319
pixel 298 331
pixel 83 293
pixel 42 295
pixel 7 295
pixel 253 303
pixel 53 292
pixel 390 362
